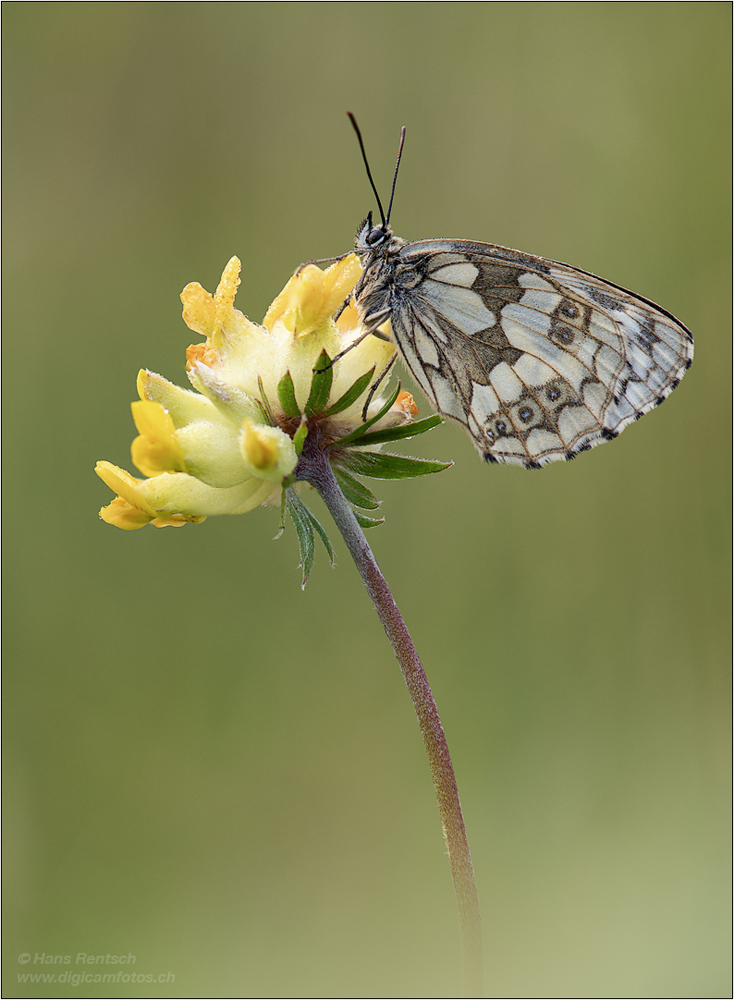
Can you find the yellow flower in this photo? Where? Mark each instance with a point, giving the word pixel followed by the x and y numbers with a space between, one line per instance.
pixel 129 509
pixel 266 451
pixel 234 442
pixel 312 296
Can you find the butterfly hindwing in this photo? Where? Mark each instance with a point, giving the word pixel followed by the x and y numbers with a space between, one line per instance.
pixel 538 360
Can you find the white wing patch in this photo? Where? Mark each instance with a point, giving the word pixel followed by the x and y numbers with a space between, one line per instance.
pixel 533 371
pixel 461 307
pixel 456 274
pixel 446 399
pixel 438 260
pixel 541 442
pixel 538 347
pixel 540 295
pixel 574 423
pixel 426 349
pixel 519 321
pixel 505 382
pixel 484 402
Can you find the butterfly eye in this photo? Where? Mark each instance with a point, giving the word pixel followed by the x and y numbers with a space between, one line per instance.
pixel 375 235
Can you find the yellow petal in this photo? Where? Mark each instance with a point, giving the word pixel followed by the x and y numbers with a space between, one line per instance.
pixel 260 451
pixel 125 485
pixel 339 280
pixel 122 514
pixel 199 312
pixel 312 296
pixel 156 450
pixel 183 405
pixel 231 323
pixel 215 316
pixel 130 510
pixel 349 319
pixel 176 522
pixel 285 305
pixel 227 288
pixel 268 452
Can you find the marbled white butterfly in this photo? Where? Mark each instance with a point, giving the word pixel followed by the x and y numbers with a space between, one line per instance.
pixel 536 359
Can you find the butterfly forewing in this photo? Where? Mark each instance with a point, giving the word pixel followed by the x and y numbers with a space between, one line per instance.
pixel 537 359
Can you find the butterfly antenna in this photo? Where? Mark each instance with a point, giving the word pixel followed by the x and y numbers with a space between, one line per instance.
pixel 353 120
pixel 395 177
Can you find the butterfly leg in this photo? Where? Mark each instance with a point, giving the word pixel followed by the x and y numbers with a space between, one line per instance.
pixel 322 260
pixel 342 307
pixel 377 320
pixel 376 385
pixel 374 321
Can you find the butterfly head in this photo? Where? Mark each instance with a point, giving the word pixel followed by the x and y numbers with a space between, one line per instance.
pixel 373 239
pixel 369 237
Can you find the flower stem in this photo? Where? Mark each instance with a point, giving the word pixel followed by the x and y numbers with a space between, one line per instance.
pixel 315 468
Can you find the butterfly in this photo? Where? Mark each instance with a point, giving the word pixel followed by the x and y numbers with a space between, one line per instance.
pixel 536 359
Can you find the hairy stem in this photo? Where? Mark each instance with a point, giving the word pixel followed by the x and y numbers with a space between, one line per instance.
pixel 315 468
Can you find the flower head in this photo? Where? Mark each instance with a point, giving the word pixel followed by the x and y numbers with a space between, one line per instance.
pixel 234 442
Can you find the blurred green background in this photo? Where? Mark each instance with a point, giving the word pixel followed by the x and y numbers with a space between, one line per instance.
pixel 222 775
